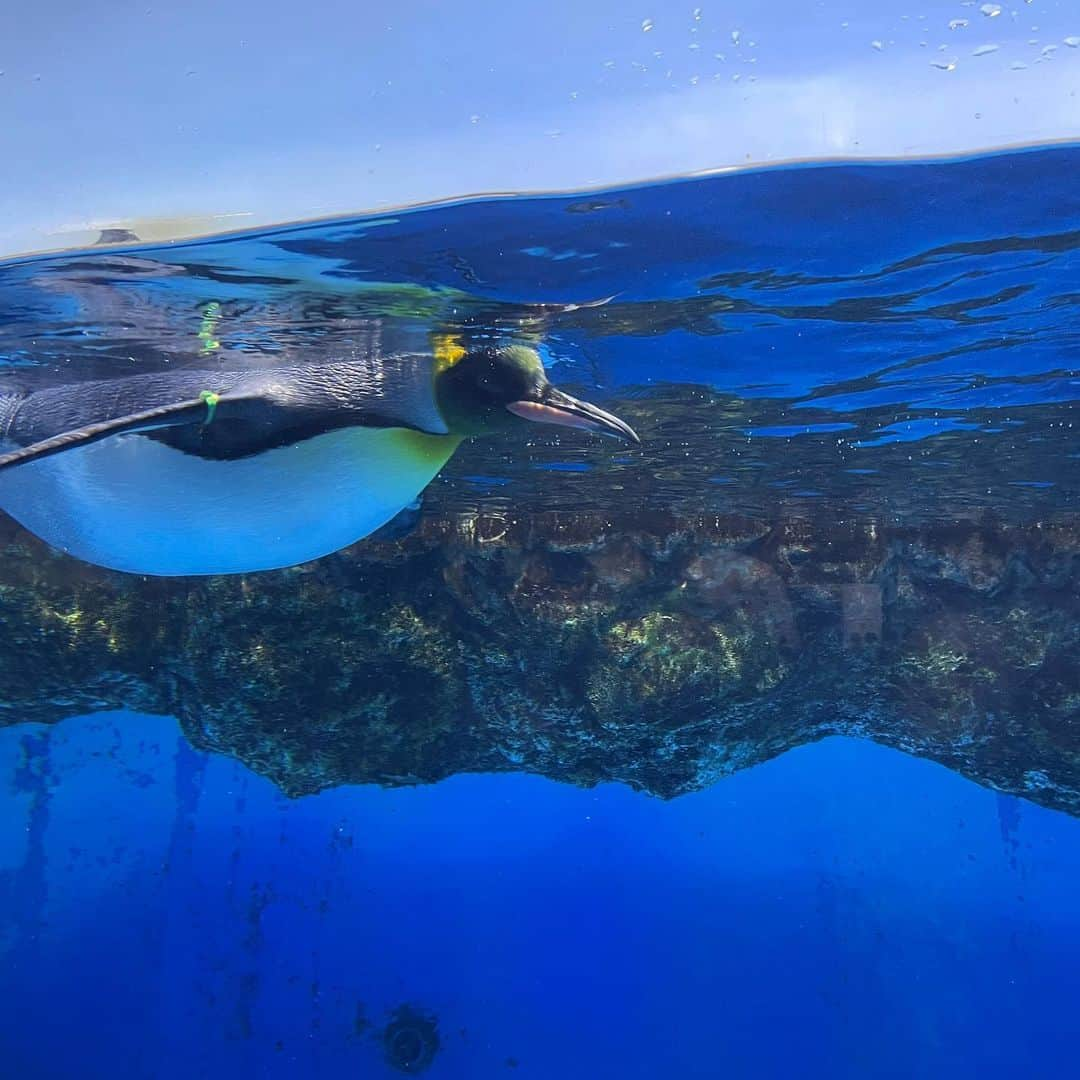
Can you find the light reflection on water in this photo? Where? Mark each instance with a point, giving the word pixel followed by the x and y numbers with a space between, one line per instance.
pixel 908 343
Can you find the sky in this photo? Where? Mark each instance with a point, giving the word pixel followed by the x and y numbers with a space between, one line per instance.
pixel 205 115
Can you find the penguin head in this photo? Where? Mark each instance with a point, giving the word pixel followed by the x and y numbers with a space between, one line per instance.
pixel 497 387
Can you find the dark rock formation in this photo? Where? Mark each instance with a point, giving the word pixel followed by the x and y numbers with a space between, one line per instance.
pixel 660 651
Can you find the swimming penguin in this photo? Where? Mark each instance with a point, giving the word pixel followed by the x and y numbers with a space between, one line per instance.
pixel 210 472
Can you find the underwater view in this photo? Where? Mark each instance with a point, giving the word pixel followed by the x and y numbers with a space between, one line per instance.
pixel 626 632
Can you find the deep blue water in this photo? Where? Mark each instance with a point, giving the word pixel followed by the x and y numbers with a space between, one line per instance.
pixel 892 341
pixel 843 911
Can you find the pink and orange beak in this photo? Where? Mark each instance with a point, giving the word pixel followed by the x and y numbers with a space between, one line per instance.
pixel 555 407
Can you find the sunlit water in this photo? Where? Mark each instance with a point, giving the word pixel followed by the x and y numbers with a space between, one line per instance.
pixel 880 342
pixel 864 339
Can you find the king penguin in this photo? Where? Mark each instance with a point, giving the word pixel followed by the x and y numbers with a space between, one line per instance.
pixel 215 472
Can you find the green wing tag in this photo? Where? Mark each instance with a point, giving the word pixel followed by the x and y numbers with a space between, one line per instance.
pixel 210 400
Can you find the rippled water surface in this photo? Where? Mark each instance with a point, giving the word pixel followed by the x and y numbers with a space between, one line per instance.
pixel 892 340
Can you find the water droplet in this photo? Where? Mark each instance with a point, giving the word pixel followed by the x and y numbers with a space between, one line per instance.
pixel 697 14
pixel 1072 42
pixel 694 45
pixel 879 45
pixel 944 65
pixel 735 35
pixel 646 25
pixel 474 119
pixel 991 11
pixel 1017 65
pixel 609 63
pixel 985 50
pixel 736 77
pixel 1049 50
pixel 957 24
pixel 694 80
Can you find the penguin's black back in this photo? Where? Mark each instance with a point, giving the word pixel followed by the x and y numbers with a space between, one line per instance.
pixel 254 411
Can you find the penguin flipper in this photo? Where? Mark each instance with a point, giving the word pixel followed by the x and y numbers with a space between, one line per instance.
pixel 180 413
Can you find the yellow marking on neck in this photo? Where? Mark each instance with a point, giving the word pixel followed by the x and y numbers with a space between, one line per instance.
pixel 447 349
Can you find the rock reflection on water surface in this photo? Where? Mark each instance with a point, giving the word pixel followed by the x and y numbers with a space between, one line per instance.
pixel 661 651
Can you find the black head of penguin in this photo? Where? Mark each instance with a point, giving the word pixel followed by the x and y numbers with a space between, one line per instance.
pixel 499 387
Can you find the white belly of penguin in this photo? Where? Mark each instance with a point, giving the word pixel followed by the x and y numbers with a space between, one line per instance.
pixel 131 503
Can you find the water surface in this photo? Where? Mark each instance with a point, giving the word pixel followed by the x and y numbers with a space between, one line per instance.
pixel 893 339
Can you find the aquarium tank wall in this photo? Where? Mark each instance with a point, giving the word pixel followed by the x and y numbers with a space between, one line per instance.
pixel 539 540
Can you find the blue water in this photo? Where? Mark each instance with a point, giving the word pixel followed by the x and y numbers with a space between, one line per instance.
pixel 912 318
pixel 895 341
pixel 843 911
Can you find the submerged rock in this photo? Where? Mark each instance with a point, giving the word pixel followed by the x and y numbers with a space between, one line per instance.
pixel 663 651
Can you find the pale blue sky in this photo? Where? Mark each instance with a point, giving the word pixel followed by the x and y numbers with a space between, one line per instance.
pixel 115 111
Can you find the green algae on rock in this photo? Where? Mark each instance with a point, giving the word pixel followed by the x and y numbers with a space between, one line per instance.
pixel 660 651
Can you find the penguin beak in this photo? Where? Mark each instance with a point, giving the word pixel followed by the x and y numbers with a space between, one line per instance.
pixel 555 407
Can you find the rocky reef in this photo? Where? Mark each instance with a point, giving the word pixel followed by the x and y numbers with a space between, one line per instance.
pixel 662 651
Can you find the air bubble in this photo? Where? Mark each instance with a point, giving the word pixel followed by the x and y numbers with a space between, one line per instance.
pixel 985 50
pixel 879 45
pixel 1072 42
pixel 957 24
pixel 646 25
pixel 991 11
pixel 944 65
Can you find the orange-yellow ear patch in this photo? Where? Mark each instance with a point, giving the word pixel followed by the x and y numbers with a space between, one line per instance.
pixel 447 349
